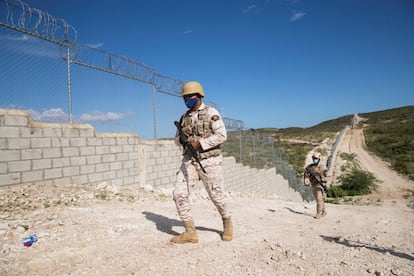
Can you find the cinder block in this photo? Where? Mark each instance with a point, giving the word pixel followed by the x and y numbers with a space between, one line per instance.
pixel 87 132
pixel 102 150
pixel 6 132
pixel 95 177
pixel 9 179
pixel 51 153
pixel 71 151
pixel 77 142
pixel 28 154
pixel 39 164
pixel 93 159
pixel 3 168
pixel 109 141
pixel 18 143
pixel 62 181
pixel 94 141
pixel 78 160
pixel 71 132
pixel 102 167
pixel 31 132
pixel 31 176
pixel 80 179
pixel 41 142
pixel 122 140
pixel 15 120
pixel 53 173
pixel 52 132
pixel 121 156
pixel 88 169
pixel 60 142
pixel 108 158
pixel 107 175
pixel 71 171
pixel 19 166
pixel 9 155
pixel 60 162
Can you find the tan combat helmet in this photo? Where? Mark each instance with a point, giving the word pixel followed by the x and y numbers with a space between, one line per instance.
pixel 316 155
pixel 192 87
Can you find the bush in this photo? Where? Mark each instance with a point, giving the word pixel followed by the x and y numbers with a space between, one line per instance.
pixel 358 182
pixel 336 192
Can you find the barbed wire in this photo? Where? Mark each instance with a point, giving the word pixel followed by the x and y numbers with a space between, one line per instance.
pixel 110 62
pixel 36 22
pixel 167 85
pixel 233 124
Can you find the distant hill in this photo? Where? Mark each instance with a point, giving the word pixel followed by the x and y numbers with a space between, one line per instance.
pixel 389 134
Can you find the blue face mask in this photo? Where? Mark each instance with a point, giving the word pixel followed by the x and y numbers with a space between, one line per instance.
pixel 315 161
pixel 190 102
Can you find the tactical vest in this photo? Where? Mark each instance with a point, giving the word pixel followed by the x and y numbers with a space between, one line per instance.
pixel 199 130
pixel 314 175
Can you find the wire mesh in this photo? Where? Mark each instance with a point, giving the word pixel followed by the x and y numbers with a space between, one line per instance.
pixel 255 150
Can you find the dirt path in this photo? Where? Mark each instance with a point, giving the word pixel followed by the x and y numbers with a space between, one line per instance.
pixel 392 185
pixel 89 231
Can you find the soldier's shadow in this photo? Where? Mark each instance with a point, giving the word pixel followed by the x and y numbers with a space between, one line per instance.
pixel 297 212
pixel 165 224
pixel 358 244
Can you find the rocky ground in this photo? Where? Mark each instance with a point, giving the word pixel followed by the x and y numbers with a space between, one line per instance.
pixel 105 231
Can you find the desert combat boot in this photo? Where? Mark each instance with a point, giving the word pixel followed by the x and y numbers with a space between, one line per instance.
pixel 228 229
pixel 321 214
pixel 190 234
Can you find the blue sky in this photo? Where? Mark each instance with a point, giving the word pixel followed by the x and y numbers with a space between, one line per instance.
pixel 269 63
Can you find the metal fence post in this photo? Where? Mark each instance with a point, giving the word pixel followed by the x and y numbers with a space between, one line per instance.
pixel 69 84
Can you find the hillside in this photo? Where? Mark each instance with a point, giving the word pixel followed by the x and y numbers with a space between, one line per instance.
pixel 389 134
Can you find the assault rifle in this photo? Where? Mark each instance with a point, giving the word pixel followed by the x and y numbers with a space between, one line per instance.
pixel 310 172
pixel 187 145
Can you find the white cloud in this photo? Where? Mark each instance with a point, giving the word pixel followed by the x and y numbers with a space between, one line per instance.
pixel 26 44
pixel 95 46
pixel 249 8
pixel 188 32
pixel 297 15
pixel 292 2
pixel 23 37
pixel 98 116
pixel 57 115
pixel 54 115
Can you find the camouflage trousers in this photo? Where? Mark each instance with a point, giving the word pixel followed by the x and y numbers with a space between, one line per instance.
pixel 190 174
pixel 319 197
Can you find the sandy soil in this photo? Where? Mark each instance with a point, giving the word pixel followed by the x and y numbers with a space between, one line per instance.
pixel 392 185
pixel 101 231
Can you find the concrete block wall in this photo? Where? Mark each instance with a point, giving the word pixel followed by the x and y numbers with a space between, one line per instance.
pixel 162 161
pixel 34 153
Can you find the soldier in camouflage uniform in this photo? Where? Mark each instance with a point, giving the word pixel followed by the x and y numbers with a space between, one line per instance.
pixel 315 175
pixel 205 130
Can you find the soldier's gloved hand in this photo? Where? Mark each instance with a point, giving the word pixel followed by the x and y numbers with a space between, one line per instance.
pixel 196 145
pixel 187 131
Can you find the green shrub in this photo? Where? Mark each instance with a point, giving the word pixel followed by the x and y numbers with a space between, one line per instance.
pixel 358 182
pixel 335 192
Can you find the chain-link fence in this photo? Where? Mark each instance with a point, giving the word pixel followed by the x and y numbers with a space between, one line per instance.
pixel 253 149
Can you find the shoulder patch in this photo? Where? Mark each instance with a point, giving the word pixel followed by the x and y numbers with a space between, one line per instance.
pixel 215 118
